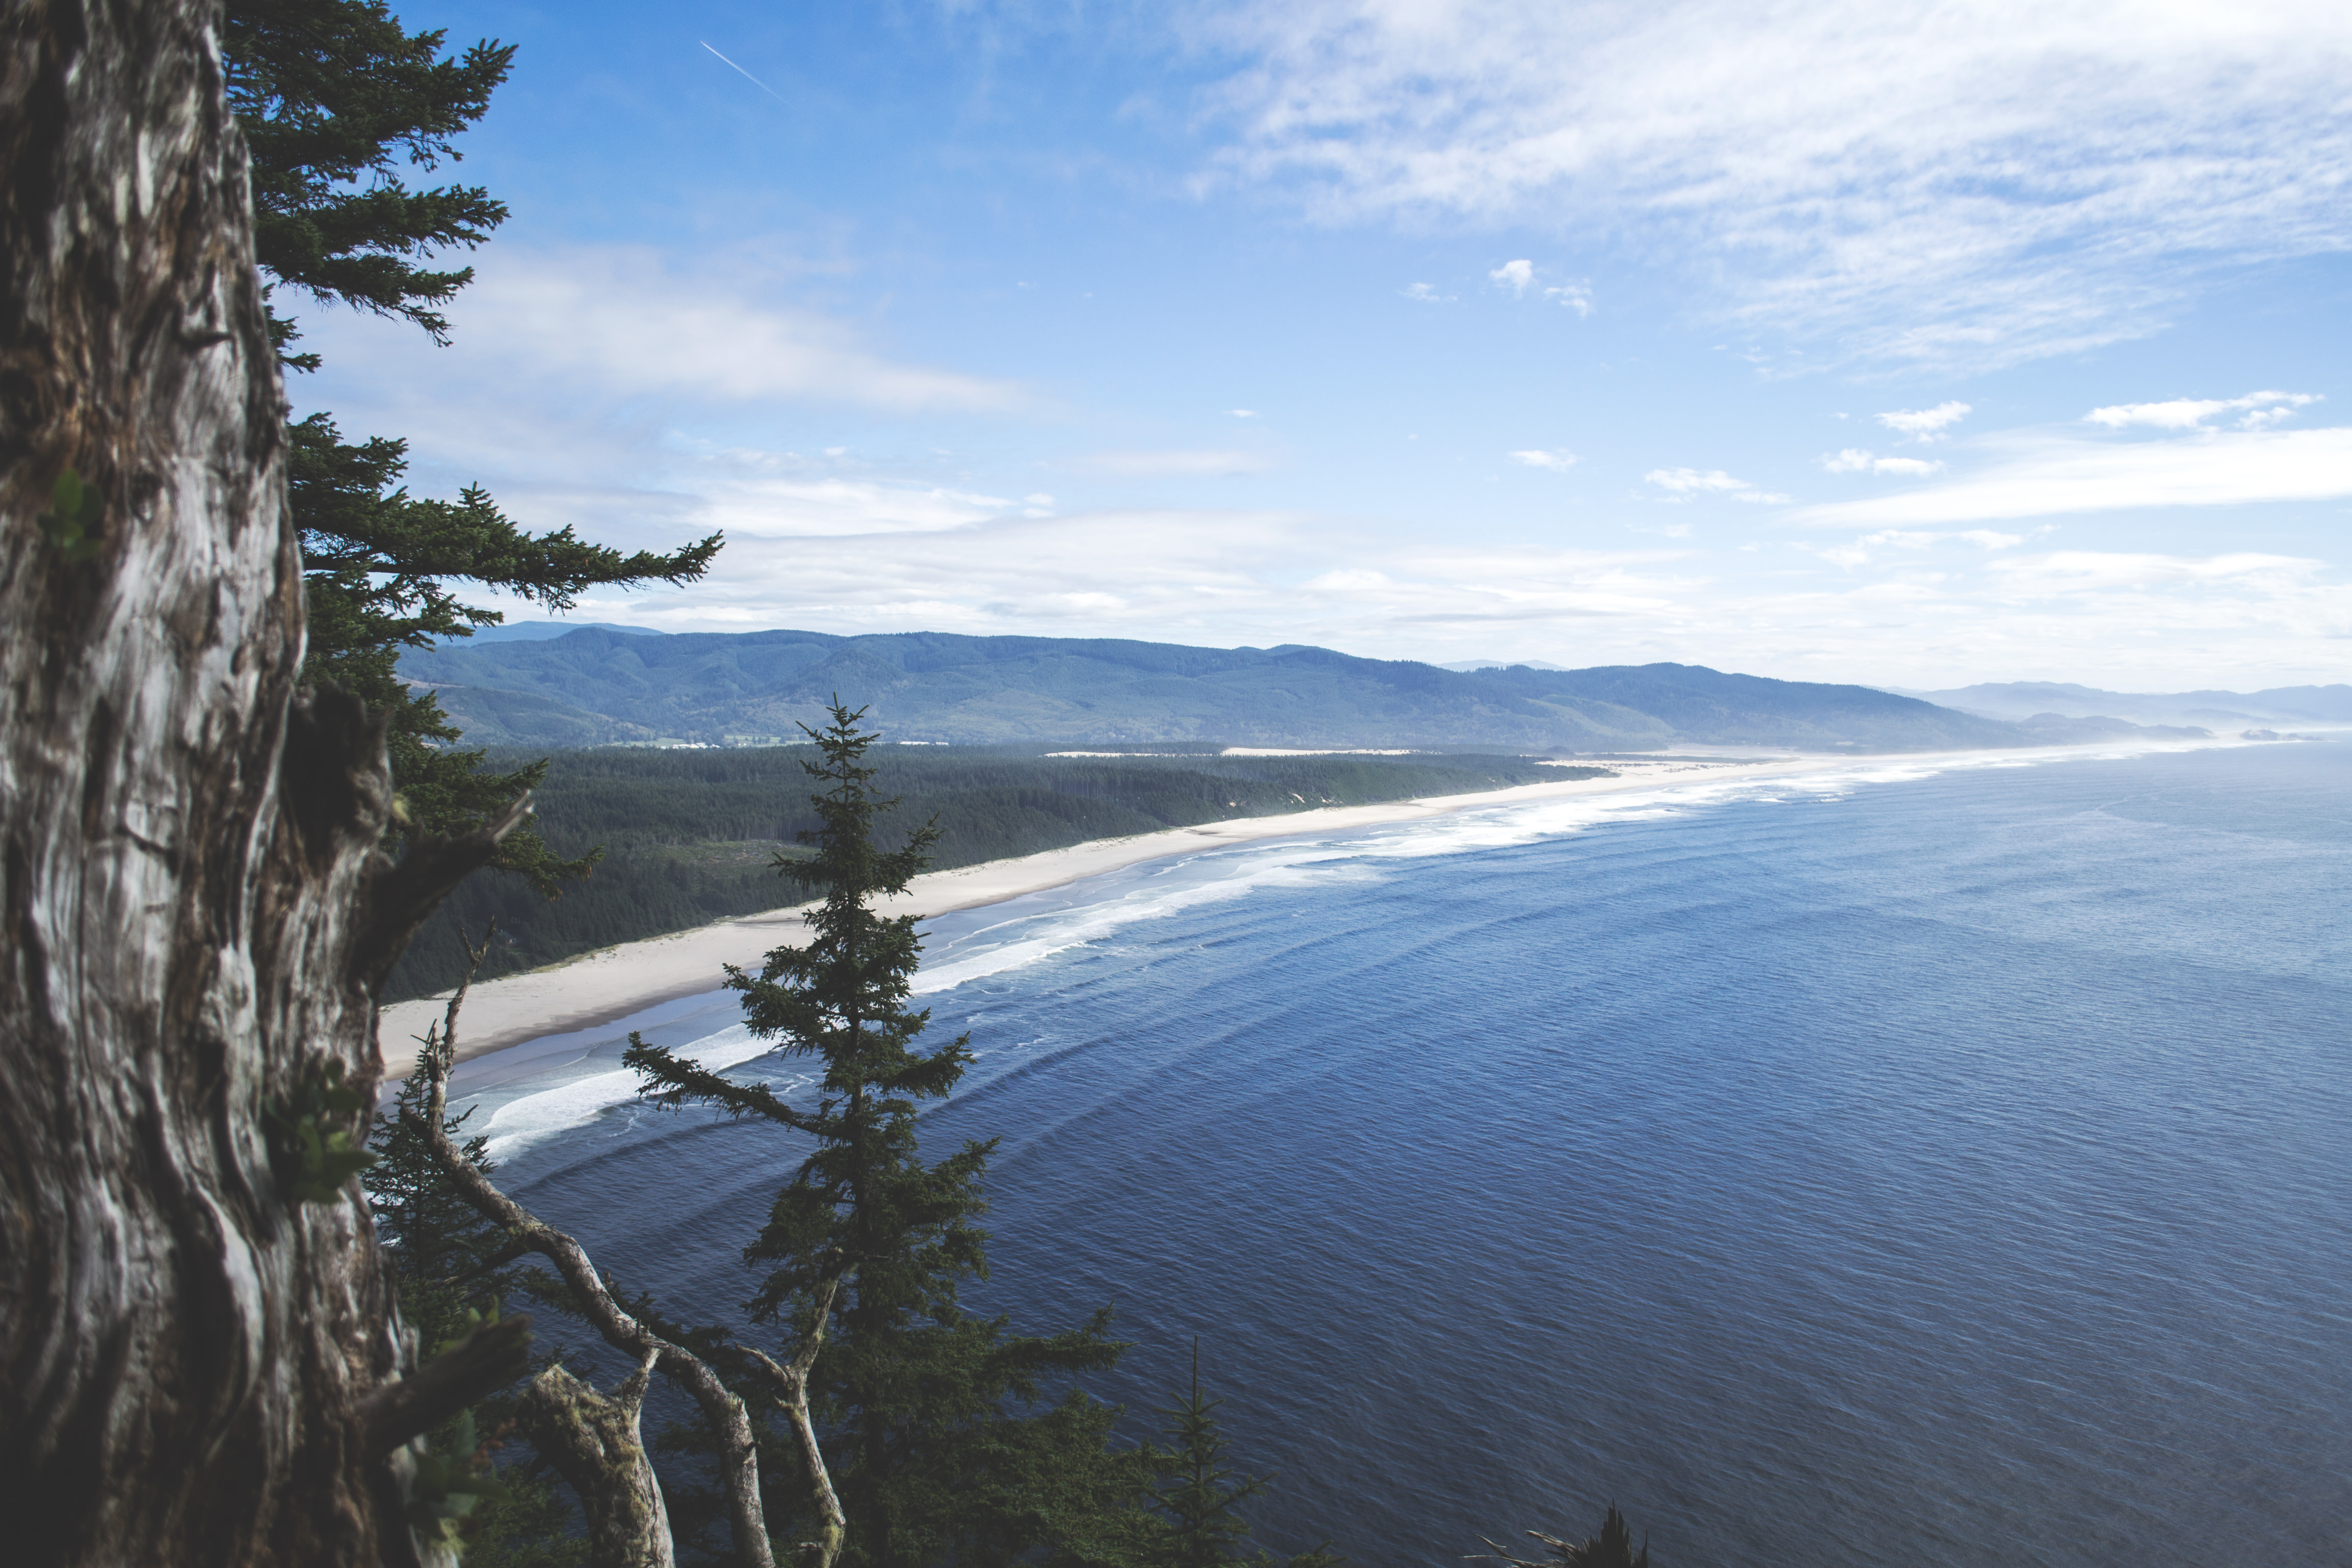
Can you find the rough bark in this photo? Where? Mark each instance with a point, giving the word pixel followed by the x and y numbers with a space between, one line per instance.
pixel 593 1442
pixel 186 857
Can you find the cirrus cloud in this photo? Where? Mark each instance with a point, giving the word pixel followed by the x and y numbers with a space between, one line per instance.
pixel 1966 182
pixel 2048 477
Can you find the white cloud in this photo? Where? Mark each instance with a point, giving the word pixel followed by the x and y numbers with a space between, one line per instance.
pixel 1683 484
pixel 1424 293
pixel 1968 181
pixel 2043 478
pixel 1174 464
pixel 1577 296
pixel 1557 459
pixel 2070 571
pixel 1513 275
pixel 1242 413
pixel 616 321
pixel 1925 424
pixel 1858 460
pixel 1895 605
pixel 2260 410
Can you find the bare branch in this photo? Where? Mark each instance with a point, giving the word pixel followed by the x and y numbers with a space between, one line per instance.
pixel 594 1442
pixel 791 1384
pixel 739 1461
pixel 484 1361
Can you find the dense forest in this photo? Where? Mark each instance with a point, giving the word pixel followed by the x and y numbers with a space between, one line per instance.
pixel 691 836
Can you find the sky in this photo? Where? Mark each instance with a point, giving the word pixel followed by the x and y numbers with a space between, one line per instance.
pixel 1909 344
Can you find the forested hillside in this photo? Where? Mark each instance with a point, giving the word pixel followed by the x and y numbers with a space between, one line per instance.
pixel 690 836
pixel 595 687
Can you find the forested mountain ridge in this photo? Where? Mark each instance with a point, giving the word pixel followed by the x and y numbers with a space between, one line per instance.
pixel 595 686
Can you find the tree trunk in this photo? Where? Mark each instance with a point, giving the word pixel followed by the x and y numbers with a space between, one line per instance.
pixel 194 913
pixel 593 1442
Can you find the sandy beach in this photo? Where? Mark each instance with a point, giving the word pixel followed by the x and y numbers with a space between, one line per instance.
pixel 615 982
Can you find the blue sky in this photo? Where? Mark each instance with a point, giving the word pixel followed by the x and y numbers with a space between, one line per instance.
pixel 1905 344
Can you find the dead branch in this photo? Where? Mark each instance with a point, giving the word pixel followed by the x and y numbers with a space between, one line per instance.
pixel 484 1361
pixel 594 1442
pixel 739 1461
pixel 790 1379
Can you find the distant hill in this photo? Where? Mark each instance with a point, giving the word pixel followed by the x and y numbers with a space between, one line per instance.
pixel 539 631
pixel 2213 710
pixel 595 686
pixel 1466 665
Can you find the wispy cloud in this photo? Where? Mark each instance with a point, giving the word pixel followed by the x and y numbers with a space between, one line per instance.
pixel 2050 476
pixel 1859 461
pixel 1961 183
pixel 1925 424
pixel 2067 573
pixel 1424 292
pixel 1905 606
pixel 1557 459
pixel 1166 465
pixel 1577 296
pixel 1684 484
pixel 2256 411
pixel 1515 276
pixel 618 320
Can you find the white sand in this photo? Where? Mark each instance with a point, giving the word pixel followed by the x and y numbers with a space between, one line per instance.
pixel 603 987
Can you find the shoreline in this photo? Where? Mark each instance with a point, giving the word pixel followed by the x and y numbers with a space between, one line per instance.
pixel 610 983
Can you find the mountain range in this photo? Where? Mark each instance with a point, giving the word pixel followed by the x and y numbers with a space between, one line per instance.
pixel 603 686
pixel 2213 710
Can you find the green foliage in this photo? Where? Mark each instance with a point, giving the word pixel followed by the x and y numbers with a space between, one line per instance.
pixel 691 836
pixel 1200 1498
pixel 440 1247
pixel 71 522
pixel 452 1477
pixel 443 1257
pixel 931 1421
pixel 310 1131
pixel 334 96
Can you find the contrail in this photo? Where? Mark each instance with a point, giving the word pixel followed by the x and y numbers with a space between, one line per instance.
pixel 747 76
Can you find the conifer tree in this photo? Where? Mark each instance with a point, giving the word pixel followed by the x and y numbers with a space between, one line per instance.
pixel 1201 1499
pixel 930 1417
pixel 334 96
pixel 1613 1548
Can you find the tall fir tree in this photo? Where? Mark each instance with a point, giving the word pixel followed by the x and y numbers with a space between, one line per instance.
pixel 935 1424
pixel 334 97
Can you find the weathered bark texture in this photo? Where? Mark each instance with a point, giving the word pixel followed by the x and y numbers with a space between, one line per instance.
pixel 593 1442
pixel 186 856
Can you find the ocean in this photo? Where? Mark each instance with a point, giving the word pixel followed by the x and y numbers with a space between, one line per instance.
pixel 1925 1162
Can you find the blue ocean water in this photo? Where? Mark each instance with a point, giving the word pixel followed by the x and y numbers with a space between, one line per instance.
pixel 1921 1164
